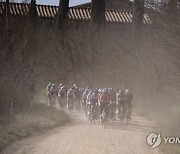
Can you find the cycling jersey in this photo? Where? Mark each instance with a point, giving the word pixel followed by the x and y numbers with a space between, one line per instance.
pixel 88 98
pixel 84 97
pixel 112 96
pixel 122 98
pixel 129 97
pixel 104 98
pixel 77 93
pixel 53 91
pixel 70 94
pixel 94 99
pixel 48 88
pixel 62 92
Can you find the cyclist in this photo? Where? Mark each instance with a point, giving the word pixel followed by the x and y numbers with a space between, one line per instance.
pixel 104 102
pixel 53 95
pixel 84 99
pixel 75 86
pixel 100 92
pixel 93 104
pixel 48 92
pixel 117 91
pixel 129 98
pixel 82 91
pixel 70 100
pixel 121 99
pixel 49 87
pixel 112 99
pixel 62 93
pixel 88 102
pixel 77 98
pixel 60 86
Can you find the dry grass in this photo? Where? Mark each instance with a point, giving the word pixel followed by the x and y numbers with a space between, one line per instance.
pixel 27 124
pixel 167 118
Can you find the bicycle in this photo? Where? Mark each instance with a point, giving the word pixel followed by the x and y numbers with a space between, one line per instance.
pixel 53 101
pixel 93 113
pixel 62 102
pixel 104 117
pixel 77 104
pixel 70 104
pixel 112 110
pixel 128 113
pixel 121 112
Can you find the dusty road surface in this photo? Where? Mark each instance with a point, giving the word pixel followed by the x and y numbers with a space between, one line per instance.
pixel 81 137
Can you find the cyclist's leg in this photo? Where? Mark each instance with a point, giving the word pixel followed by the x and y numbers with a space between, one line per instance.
pixel 124 110
pixel 114 111
pixel 96 112
pixel 63 102
pixel 101 109
pixel 111 111
pixel 59 101
pixel 106 108
pixel 130 111
pixel 92 112
pixel 79 104
pixel 119 109
pixel 67 103
pixel 85 106
pixel 72 103
pixel 49 99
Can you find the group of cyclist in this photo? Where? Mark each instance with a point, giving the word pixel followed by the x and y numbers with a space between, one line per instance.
pixel 96 103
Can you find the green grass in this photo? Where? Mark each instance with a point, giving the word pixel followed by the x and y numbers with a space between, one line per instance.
pixel 27 124
pixel 167 120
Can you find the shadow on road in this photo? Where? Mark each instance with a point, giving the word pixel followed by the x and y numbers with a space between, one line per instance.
pixel 138 124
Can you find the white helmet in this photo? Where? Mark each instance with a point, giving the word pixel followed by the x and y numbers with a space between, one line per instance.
pixel 127 91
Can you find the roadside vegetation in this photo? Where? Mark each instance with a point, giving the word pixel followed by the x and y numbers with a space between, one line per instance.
pixel 29 123
pixel 167 120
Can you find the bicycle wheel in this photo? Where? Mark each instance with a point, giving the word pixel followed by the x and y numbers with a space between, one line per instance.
pixel 128 115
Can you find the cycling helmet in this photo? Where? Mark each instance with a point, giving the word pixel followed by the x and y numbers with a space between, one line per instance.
pixel 105 90
pixel 110 89
pixel 99 90
pixel 96 91
pixel 127 91
pixel 75 85
pixel 60 85
pixel 76 88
